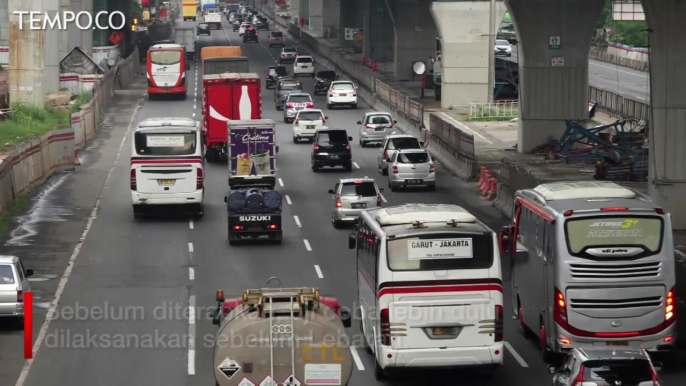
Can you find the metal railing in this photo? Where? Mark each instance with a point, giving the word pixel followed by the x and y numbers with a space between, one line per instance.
pixel 498 109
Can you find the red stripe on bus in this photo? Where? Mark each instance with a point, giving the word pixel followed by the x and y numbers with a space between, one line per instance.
pixel 434 289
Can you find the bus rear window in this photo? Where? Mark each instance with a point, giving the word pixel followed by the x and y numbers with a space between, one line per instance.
pixel 165 144
pixel 163 58
pixel 621 231
pixel 441 252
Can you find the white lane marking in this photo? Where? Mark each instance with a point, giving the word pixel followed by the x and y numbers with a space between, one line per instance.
pixel 191 335
pixel 280 182
pixel 515 354
pixel 193 115
pixel 356 165
pixel 70 265
pixel 615 69
pixel 190 247
pixel 191 361
pixel 319 271
pixel 191 310
pixel 191 273
pixel 288 200
pixel 383 197
pixel 366 177
pixel 307 245
pixel 190 224
pixel 297 221
pixel 356 358
pixel 465 127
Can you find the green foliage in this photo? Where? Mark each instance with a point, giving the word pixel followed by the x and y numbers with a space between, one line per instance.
pixel 27 121
pixel 80 100
pixel 630 33
pixel 16 207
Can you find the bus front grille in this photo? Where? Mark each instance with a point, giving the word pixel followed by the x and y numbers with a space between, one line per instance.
pixel 615 271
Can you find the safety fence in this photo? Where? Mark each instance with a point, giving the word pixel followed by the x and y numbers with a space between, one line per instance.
pixel 501 187
pixel 490 110
pixel 619 106
pixel 455 146
pixel 399 103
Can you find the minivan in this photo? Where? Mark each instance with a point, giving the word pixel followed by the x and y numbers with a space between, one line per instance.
pixel 331 148
pixel 351 196
pixel 13 285
pixel 375 126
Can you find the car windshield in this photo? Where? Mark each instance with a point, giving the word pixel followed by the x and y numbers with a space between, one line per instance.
pixel 6 274
pixel 166 144
pixel 379 119
pixel 310 116
pixel 403 143
pixel 277 35
pixel 165 57
pixel 413 158
pixel 502 43
pixel 438 252
pixel 332 137
pixel 616 231
pixel 326 75
pixel 299 98
pixel 630 372
pixel 343 86
pixel 294 85
pixel 361 188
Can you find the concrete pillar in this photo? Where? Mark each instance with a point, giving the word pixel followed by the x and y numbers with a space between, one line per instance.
pixel 27 55
pixel 87 36
pixel 4 24
pixel 305 12
pixel 64 34
pixel 366 6
pixel 331 17
pixel 415 35
pixel 464 31
pixel 52 51
pixel 351 17
pixel 553 82
pixel 75 34
pixel 295 11
pixel 667 171
pixel 378 33
pixel 317 17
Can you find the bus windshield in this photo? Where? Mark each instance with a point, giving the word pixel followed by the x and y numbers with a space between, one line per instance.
pixel 621 231
pixel 163 58
pixel 437 252
pixel 166 144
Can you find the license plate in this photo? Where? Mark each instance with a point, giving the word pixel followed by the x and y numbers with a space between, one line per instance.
pixel 359 206
pixel 414 181
pixel 617 343
pixel 333 156
pixel 299 108
pixel 342 94
pixel 444 331
pixel 378 129
pixel 166 182
pixel 310 127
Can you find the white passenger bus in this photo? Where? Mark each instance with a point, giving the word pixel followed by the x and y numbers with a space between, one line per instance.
pixel 430 287
pixel 594 267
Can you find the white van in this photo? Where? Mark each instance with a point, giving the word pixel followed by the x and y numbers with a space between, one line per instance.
pixel 167 165
pixel 430 287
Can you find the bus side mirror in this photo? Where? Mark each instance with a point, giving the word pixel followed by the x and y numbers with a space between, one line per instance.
pixel 504 239
pixel 352 241
pixel 346 318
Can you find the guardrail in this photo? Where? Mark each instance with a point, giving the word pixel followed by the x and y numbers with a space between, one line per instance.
pixel 497 109
pixel 400 104
pixel 619 106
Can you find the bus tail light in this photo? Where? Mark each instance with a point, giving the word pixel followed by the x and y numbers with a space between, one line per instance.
pixel 385 327
pixel 273 226
pixel 560 311
pixel 499 323
pixel 670 307
pixel 199 181
pixel 133 180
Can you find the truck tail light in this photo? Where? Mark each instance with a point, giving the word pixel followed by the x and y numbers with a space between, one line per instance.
pixel 339 204
pixel 20 296
pixel 560 311
pixel 395 169
pixel 273 226
pixel 432 169
pixel 385 327
pixel 580 378
pixel 499 323
pixel 133 180
pixel 199 181
pixel 670 307
pixel 378 199
pixel 237 227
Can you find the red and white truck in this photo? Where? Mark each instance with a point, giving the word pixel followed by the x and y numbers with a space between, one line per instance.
pixel 227 96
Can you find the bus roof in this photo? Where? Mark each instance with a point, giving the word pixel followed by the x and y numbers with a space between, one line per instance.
pixel 583 189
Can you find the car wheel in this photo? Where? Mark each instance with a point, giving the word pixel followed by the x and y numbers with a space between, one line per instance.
pixel 361 143
pixel 329 106
pixel 285 120
pixel 295 139
pixel 384 172
pixel 354 105
pixel 137 212
pixel 200 211
pixel 432 188
pixel 315 167
pixel 393 187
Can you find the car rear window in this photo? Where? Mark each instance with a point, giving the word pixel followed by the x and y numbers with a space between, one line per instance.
pixel 364 189
pixel 165 143
pixel 304 60
pixel 413 158
pixel 437 252
pixel 310 116
pixel 403 143
pixel 299 98
pixel 502 43
pixel 292 85
pixel 616 231
pixel 6 274
pixel 289 49
pixel 332 137
pixel 343 86
pixel 379 119
pixel 277 34
pixel 630 372
pixel 278 71
pixel 326 74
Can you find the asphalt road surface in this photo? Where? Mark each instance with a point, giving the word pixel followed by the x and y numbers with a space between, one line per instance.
pixel 144 275
pixel 625 81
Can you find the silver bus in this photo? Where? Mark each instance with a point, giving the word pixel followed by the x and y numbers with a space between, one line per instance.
pixel 592 264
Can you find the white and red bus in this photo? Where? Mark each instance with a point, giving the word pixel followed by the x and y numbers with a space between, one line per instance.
pixel 166 70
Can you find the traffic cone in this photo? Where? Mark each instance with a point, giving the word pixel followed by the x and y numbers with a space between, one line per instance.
pixel 77 162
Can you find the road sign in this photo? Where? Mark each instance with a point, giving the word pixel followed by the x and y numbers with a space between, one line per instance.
pixel 557 61
pixel 115 37
pixel 555 43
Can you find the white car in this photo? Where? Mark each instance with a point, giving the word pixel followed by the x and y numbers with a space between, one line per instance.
pixel 303 65
pixel 342 92
pixel 242 28
pixel 502 48
pixel 306 124
pixel 409 168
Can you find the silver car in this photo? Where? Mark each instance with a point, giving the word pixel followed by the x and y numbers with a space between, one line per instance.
pixel 392 143
pixel 375 127
pixel 13 284
pixel 295 102
pixel 288 54
pixel 411 167
pixel 351 196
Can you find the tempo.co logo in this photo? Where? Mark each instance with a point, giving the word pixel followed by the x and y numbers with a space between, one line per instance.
pixel 83 20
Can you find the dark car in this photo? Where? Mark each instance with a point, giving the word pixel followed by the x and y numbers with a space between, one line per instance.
pixel 606 367
pixel 203 29
pixel 262 23
pixel 237 24
pixel 273 74
pixel 323 79
pixel 251 35
pixel 331 148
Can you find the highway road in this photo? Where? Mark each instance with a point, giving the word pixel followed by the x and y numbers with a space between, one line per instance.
pixel 625 81
pixel 142 289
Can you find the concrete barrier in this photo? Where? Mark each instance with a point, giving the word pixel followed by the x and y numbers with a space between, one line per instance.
pixel 505 200
pixel 79 135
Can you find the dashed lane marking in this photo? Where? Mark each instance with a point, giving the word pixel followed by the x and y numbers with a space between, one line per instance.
pixel 319 271
pixel 191 335
pixel 356 165
pixel 280 182
pixel 191 273
pixel 190 247
pixel 307 245
pixel 190 222
pixel 515 354
pixel 288 200
pixel 356 358
pixel 297 221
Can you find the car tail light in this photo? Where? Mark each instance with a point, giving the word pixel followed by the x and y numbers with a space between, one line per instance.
pixel 392 124
pixel 339 204
pixel 568 213
pixel 20 296
pixel 133 180
pixel 283 40
pixel 316 147
pixel 498 323
pixel 659 211
pixel 296 55
pixel 385 327
pixel 289 104
pixel 395 169
pixel 366 126
pixel 199 181
pixel 347 146
pixel 379 200
pixel 354 93
pixel 330 93
pixel 432 169
pixel 282 55
pixel 670 307
pixel 560 311
pixel 385 154
pixel 579 378
pixel 271 39
pixel 323 121
pixel 309 104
